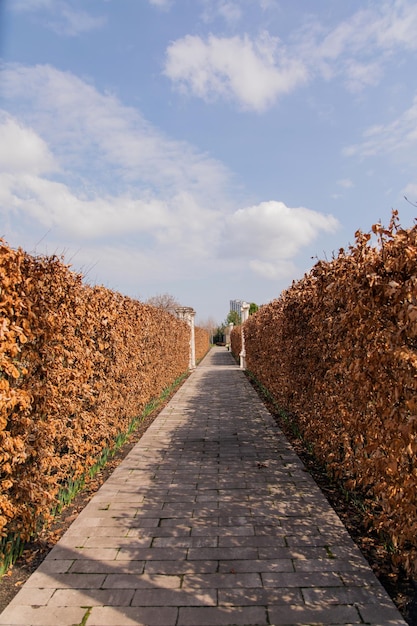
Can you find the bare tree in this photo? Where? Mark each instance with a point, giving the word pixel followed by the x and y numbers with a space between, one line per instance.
pixel 210 325
pixel 164 301
pixel 409 202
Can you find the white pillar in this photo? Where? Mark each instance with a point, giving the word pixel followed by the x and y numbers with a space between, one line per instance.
pixel 187 314
pixel 228 332
pixel 245 314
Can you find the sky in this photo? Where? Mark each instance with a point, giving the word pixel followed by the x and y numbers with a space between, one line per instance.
pixel 209 149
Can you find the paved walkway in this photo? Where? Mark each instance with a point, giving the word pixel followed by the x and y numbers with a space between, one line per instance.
pixel 210 520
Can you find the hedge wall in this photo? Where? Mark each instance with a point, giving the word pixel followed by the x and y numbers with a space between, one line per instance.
pixel 338 351
pixel 77 365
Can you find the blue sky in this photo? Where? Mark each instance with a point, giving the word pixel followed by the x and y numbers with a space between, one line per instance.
pixel 210 149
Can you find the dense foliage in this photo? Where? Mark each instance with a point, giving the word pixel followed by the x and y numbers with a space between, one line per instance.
pixel 77 365
pixel 338 351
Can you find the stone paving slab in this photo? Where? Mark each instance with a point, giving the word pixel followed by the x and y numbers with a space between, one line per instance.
pixel 210 520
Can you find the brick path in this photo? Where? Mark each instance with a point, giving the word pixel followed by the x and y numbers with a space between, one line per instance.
pixel 210 520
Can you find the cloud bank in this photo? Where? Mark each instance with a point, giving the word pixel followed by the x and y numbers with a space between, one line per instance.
pixel 271 234
pixel 95 172
pixel 254 72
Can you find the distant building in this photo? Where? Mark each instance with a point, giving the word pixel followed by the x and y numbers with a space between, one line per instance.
pixel 235 305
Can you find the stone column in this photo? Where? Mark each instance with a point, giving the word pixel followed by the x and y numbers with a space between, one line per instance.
pixel 228 332
pixel 244 309
pixel 187 314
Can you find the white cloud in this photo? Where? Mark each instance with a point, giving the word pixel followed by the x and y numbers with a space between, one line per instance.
pixel 361 75
pixel 122 185
pixel 270 234
pixel 53 204
pixel 229 10
pixel 268 4
pixel 252 72
pixel 75 22
pixel 281 268
pixel 61 17
pixel 22 150
pixel 346 183
pixel 161 4
pixel 255 72
pixel 358 49
pixel 90 131
pixel 397 25
pixel 397 137
pixel 232 11
pixel 163 191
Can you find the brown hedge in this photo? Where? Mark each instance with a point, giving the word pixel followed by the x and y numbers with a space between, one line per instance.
pixel 202 343
pixel 77 365
pixel 338 351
